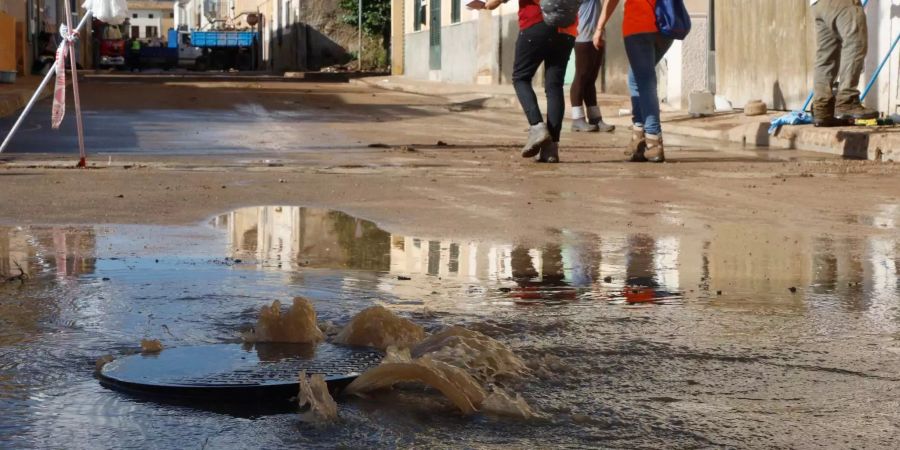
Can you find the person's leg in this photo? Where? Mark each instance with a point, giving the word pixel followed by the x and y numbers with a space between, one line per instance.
pixel 590 92
pixel 581 84
pixel 644 51
pixel 637 118
pixel 850 23
pixel 529 56
pixel 531 47
pixel 828 46
pixel 576 92
pixel 555 63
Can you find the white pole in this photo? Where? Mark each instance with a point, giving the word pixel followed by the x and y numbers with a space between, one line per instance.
pixel 73 61
pixel 359 45
pixel 34 98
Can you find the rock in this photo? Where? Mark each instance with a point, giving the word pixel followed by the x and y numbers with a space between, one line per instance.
pixel 755 108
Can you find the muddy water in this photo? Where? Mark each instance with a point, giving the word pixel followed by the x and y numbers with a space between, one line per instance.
pixel 735 336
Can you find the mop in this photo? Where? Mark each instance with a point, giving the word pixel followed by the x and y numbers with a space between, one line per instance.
pixel 113 12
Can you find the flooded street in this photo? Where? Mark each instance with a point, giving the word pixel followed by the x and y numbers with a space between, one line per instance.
pixel 731 335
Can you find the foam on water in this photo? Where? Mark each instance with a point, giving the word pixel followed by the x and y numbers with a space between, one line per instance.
pixel 298 325
pixel 380 328
pixel 483 357
pixel 314 393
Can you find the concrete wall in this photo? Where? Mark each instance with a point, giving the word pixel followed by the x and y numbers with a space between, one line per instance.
pixel 459 63
pixel 764 50
pixel 415 55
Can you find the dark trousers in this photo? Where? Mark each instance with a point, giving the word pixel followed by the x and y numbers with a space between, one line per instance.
pixel 588 60
pixel 536 45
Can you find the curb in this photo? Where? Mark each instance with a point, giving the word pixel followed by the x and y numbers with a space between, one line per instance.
pixel 11 103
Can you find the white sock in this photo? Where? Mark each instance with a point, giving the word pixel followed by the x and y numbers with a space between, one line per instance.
pixel 593 112
pixel 654 137
pixel 577 112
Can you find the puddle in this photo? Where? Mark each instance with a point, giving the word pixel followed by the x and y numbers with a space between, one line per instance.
pixel 731 319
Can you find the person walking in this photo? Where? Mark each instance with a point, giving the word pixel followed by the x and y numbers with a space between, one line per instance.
pixel 588 60
pixel 841 36
pixel 539 43
pixel 645 48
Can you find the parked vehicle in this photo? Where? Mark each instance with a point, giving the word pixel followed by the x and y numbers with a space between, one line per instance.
pixel 216 50
pixel 109 45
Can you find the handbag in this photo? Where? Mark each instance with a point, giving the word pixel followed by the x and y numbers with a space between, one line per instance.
pixel 672 19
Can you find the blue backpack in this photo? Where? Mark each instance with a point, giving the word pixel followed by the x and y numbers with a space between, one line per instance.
pixel 672 19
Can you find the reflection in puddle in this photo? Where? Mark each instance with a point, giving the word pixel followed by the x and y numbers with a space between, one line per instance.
pixel 636 268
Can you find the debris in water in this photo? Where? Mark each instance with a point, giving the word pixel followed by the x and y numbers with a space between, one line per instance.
pixel 297 326
pixel 792 289
pixel 378 327
pixel 502 404
pixel 104 360
pixel 151 346
pixel 314 392
pixel 483 357
pixel 457 385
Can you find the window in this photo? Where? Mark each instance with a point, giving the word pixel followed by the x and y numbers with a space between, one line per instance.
pixel 134 16
pixel 171 15
pixel 455 10
pixel 150 15
pixel 135 32
pixel 419 14
pixel 152 32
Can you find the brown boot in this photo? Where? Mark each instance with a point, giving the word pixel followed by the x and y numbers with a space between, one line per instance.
pixel 855 111
pixel 655 152
pixel 636 148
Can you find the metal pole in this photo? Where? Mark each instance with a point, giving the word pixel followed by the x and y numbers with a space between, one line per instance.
pixel 359 43
pixel 878 71
pixel 34 98
pixel 73 61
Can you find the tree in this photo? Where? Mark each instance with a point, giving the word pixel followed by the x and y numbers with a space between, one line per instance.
pixel 376 18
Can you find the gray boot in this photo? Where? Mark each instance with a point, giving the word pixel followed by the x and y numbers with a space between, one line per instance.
pixel 602 126
pixel 582 125
pixel 538 135
pixel 549 153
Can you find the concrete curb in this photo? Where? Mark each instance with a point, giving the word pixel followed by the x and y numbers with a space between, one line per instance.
pixel 290 77
pixel 12 102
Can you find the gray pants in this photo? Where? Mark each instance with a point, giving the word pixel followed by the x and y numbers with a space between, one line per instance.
pixel 841 32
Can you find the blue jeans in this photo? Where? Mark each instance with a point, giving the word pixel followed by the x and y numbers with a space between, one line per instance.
pixel 644 52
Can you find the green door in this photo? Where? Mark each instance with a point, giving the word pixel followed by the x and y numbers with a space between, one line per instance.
pixel 434 57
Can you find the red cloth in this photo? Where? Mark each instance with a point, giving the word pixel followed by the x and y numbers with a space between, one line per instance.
pixel 640 17
pixel 530 14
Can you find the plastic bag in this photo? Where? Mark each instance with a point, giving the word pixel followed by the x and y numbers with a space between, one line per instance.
pixel 113 12
pixel 793 118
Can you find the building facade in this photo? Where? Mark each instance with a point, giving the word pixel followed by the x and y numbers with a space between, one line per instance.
pixel 150 19
pixel 741 50
pixel 442 40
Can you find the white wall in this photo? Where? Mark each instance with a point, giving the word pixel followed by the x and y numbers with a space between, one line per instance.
pixel 142 18
pixel 884 26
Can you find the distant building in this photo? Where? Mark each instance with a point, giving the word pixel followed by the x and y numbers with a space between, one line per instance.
pixel 150 19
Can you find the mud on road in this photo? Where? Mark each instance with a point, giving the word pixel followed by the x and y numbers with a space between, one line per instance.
pixel 730 297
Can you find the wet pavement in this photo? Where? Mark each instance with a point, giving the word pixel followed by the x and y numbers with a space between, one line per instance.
pixel 737 335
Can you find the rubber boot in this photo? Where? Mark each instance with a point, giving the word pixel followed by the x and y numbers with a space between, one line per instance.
pixel 549 153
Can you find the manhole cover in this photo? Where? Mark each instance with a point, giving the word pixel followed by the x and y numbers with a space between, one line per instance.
pixel 236 372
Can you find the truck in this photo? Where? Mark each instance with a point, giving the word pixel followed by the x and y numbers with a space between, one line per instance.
pixel 216 50
pixel 109 45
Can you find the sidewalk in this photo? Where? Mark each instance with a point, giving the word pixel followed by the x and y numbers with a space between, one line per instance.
pixel 14 97
pixel 872 143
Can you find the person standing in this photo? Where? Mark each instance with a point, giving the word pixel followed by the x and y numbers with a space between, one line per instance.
pixel 588 60
pixel 645 48
pixel 539 43
pixel 841 36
